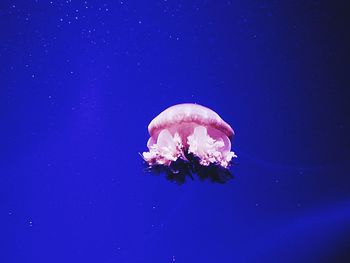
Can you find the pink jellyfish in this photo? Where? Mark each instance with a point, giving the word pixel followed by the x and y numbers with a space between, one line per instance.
pixel 189 139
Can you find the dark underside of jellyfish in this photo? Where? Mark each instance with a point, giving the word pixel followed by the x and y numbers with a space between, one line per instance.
pixel 180 170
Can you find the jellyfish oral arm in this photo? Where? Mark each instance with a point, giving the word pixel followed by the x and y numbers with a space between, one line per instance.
pixel 209 150
pixel 168 148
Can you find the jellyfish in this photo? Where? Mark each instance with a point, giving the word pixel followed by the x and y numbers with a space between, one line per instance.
pixel 188 139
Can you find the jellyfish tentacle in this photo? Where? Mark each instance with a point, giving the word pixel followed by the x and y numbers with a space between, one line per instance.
pixel 207 149
pixel 167 149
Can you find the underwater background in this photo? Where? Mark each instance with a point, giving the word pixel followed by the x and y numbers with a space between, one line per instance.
pixel 81 80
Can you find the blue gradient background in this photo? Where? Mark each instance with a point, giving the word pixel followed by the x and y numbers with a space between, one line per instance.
pixel 81 80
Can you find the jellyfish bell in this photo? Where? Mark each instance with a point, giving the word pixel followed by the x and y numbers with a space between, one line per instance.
pixel 188 139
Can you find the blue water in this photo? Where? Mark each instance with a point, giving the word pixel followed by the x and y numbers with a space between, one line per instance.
pixel 81 80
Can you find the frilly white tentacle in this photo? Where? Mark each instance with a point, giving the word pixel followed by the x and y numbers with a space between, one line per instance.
pixel 207 149
pixel 169 148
